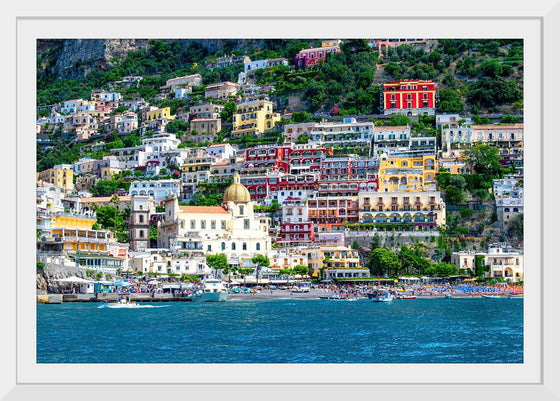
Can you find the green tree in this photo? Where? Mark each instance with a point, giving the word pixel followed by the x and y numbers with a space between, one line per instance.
pixel 515 227
pixel 393 69
pixel 454 195
pixel 384 262
pixel 217 262
pixel 375 242
pixel 459 181
pixel 301 117
pixel 355 245
pixel 230 107
pixel 398 119
pixel 509 119
pixel 104 188
pixel 450 101
pixel 109 217
pixel 302 270
pixel 485 160
pixel 479 267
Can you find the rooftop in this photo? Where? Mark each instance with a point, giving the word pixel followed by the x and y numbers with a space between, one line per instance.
pixel 203 209
pixel 499 126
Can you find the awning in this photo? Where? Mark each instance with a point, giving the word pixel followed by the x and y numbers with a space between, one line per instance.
pixel 74 279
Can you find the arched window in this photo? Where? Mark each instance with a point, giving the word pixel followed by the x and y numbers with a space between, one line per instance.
pixel 241 209
pixel 141 233
pixel 233 246
pixel 258 246
pixel 244 246
pixel 223 246
pixel 141 218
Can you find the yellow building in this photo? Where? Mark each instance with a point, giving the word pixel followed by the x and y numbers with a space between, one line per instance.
pixel 158 114
pixel 422 210
pixel 331 257
pixel 75 233
pixel 254 118
pixel 60 176
pixel 407 174
pixel 67 220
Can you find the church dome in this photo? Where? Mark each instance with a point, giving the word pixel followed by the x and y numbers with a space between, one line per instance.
pixel 237 192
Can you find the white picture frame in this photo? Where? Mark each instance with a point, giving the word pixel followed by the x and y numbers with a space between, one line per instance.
pixel 537 23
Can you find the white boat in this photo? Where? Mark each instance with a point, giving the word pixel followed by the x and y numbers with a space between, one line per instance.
pixel 212 290
pixel 123 303
pixel 492 296
pixel 383 297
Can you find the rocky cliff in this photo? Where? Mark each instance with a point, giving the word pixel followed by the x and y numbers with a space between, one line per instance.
pixel 74 58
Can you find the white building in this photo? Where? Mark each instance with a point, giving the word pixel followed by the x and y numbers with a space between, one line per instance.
pixel 508 193
pixel 162 142
pixel 158 189
pixel 71 106
pixel 232 229
pixel 503 262
pixel 222 151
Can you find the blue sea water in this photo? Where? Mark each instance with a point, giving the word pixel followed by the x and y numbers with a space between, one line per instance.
pixel 472 330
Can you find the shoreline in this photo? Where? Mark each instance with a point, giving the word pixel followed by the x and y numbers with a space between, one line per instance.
pixel 264 295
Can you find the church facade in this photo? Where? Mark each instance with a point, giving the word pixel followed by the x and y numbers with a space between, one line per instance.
pixel 231 229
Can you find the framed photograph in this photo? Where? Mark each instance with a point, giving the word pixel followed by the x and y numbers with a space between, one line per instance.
pixel 483 352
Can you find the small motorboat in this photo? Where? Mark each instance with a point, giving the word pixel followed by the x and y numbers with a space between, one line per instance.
pixel 492 296
pixel 448 296
pixel 124 303
pixel 383 297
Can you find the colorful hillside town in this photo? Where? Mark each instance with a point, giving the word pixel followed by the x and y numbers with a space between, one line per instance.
pixel 217 174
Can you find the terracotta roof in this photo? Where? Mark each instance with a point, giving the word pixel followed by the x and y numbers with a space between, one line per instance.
pixel 104 199
pixel 221 164
pixel 391 128
pixel 203 209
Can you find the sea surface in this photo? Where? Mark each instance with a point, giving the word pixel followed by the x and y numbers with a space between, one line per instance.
pixel 472 330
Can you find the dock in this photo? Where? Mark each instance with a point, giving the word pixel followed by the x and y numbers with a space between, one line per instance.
pixel 101 297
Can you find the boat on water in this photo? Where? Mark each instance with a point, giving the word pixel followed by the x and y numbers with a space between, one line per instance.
pixel 448 296
pixel 213 290
pixel 494 296
pixel 124 303
pixel 406 297
pixel 383 297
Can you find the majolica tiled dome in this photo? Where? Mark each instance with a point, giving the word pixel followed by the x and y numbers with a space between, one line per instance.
pixel 237 192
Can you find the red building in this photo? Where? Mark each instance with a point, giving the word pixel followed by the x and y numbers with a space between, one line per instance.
pixel 262 186
pixel 296 228
pixel 307 58
pixel 410 97
pixel 305 158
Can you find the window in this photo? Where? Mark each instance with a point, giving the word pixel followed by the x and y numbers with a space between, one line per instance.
pixel 223 246
pixel 233 246
pixel 259 246
pixel 141 218
pixel 141 233
pixel 244 246
pixel 241 210
pixel 193 226
pixel 209 247
pixel 246 224
pixel 213 224
pixel 203 224
pixel 223 223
